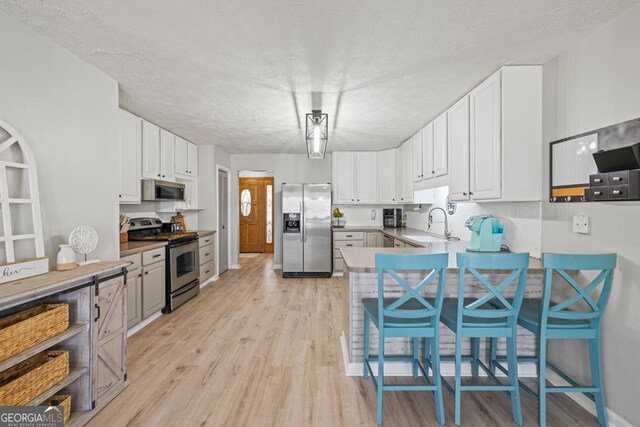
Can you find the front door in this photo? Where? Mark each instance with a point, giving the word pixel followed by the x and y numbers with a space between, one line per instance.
pixel 223 239
pixel 256 214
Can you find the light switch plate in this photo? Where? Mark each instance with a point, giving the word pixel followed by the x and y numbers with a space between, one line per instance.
pixel 581 224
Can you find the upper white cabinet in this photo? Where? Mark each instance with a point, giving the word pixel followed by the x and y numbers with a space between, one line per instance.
pixel 427 152
pixel 150 151
pixel 343 170
pixel 355 177
pixel 186 158
pixel 440 146
pixel 500 156
pixel 417 157
pixel 399 174
pixel 387 176
pixel 407 172
pixel 366 176
pixel 130 157
pixel 485 170
pixel 167 148
pixel 458 135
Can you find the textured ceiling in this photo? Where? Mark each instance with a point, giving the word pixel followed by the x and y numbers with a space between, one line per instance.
pixel 240 73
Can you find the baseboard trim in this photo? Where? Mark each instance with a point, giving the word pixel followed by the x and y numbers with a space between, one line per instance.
pixel 277 266
pixel 208 281
pixel 234 267
pixel 144 323
pixel 403 369
pixel 615 420
pixel 338 274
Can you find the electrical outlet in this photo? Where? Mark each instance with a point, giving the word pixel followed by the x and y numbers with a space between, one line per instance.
pixel 581 224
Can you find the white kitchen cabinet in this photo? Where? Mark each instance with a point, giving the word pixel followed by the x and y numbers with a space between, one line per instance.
pixel 427 152
pixel 181 156
pixel 134 298
pixel 387 176
pixel 399 174
pixel 440 146
pixel 365 176
pixel 458 134
pixel 153 288
pixel 375 239
pixel 343 177
pixel 485 170
pixel 407 187
pixel 167 149
pixel 193 160
pixel 494 137
pixel 130 157
pixel 418 174
pixel 150 151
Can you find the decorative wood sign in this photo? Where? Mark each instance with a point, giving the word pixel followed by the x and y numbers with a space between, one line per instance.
pixel 21 241
pixel 571 159
pixel 23 269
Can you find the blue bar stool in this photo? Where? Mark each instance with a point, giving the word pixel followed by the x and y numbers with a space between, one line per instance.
pixel 575 318
pixel 411 316
pixel 477 318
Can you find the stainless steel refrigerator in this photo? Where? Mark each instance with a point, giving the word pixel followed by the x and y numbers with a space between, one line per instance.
pixel 306 230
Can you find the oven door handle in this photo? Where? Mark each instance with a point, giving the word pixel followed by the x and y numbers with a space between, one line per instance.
pixel 178 245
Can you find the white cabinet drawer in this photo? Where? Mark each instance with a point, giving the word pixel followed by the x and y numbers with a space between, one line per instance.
pixel 207 240
pixel 348 235
pixel 155 255
pixel 349 244
pixel 207 271
pixel 206 254
pixel 136 261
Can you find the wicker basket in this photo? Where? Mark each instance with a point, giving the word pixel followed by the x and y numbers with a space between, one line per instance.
pixel 23 330
pixel 63 400
pixel 27 380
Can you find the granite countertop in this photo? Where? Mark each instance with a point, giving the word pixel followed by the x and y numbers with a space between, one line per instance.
pixel 204 233
pixel 136 247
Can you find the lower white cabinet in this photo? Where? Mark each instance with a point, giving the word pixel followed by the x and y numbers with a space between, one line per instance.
pixel 345 239
pixel 399 244
pixel 207 258
pixel 375 239
pixel 146 285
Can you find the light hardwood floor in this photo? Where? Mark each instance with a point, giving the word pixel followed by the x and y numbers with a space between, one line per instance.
pixel 257 350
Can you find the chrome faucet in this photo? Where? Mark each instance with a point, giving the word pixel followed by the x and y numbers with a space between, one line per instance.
pixel 447 232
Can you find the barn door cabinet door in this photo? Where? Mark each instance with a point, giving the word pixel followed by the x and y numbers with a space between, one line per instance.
pixel 110 337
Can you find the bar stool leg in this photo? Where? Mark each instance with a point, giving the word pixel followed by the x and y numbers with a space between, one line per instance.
pixel 458 391
pixel 542 380
pixel 414 355
pixel 596 378
pixel 437 379
pixel 512 361
pixel 475 345
pixel 380 375
pixel 493 350
pixel 365 372
pixel 427 354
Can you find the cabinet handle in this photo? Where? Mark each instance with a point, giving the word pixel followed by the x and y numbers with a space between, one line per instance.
pixel 119 195
pixel 146 272
pixel 207 272
pixel 617 178
pixel 157 256
pixel 349 244
pixel 207 254
pixel 464 194
pixel 349 235
pixel 158 175
pixel 98 316
pixel 163 176
pixel 470 193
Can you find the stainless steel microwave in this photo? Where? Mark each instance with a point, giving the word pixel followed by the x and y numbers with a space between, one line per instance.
pixel 154 190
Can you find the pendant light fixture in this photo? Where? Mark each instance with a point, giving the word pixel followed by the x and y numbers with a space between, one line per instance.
pixel 317 133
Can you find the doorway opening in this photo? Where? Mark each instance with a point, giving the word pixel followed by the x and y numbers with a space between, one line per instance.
pixel 223 216
pixel 256 211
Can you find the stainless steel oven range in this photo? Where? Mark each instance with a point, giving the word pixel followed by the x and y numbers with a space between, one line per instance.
pixel 183 264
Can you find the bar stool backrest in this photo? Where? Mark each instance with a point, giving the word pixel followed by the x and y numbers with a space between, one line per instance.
pixel 570 308
pixel 502 308
pixel 391 264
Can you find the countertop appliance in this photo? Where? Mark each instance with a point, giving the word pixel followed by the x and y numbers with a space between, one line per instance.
pixel 182 259
pixel 306 231
pixel 173 227
pixel 486 233
pixel 154 190
pixel 392 218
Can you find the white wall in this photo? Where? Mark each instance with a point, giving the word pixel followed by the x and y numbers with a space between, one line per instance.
pixel 68 113
pixel 594 84
pixel 287 168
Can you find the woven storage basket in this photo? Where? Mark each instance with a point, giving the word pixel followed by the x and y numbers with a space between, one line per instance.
pixel 27 380
pixel 23 330
pixel 63 400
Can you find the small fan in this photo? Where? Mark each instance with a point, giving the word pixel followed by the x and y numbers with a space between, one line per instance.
pixel 84 240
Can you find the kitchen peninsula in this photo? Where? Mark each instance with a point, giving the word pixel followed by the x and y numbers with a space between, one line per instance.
pixel 361 280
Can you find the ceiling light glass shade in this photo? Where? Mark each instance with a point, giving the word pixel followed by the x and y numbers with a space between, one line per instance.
pixel 317 132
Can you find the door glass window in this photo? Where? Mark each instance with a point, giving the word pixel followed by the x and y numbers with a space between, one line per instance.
pixel 245 202
pixel 269 213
